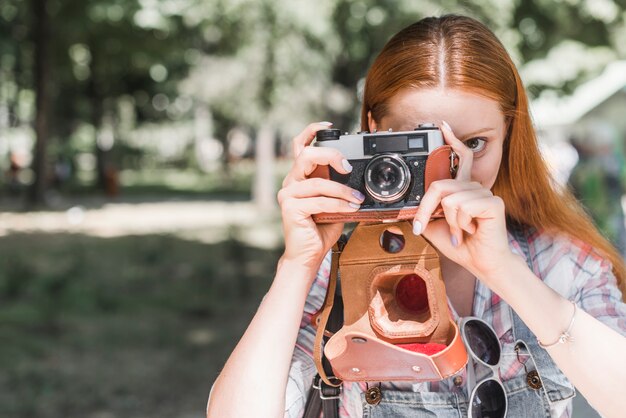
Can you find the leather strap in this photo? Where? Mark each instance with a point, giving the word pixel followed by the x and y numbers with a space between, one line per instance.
pixel 325 394
pixel 403 214
pixel 325 314
pixel 321 396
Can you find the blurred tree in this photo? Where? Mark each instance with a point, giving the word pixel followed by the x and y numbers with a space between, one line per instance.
pixel 114 49
pixel 15 68
pixel 99 52
pixel 41 33
pixel 562 44
pixel 266 67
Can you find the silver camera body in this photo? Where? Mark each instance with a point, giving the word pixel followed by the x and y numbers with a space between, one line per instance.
pixel 387 167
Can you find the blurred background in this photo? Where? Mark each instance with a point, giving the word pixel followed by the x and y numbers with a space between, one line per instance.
pixel 142 143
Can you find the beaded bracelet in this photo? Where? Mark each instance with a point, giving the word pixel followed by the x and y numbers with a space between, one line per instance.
pixel 564 337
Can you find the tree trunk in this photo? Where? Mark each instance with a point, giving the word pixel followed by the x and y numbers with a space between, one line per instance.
pixel 101 157
pixel 42 78
pixel 264 191
pixel 97 112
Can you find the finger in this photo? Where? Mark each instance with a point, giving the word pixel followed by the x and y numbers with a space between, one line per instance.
pixel 456 234
pixel 320 187
pixel 314 205
pixel 305 137
pixel 466 156
pixel 457 222
pixel 466 222
pixel 450 211
pixel 311 157
pixel 437 191
pixel 438 235
pixel 481 209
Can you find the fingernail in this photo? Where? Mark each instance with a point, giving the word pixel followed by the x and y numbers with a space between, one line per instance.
pixel 358 195
pixel 445 125
pixel 325 123
pixel 346 165
pixel 354 205
pixel 454 241
pixel 417 227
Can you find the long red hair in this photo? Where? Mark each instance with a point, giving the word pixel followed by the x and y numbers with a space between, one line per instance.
pixel 459 52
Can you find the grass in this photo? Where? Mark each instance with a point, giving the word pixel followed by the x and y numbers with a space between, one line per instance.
pixel 137 326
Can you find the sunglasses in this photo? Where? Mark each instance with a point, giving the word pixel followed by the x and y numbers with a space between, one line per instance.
pixel 488 397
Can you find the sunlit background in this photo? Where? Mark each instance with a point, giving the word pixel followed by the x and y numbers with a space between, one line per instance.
pixel 141 146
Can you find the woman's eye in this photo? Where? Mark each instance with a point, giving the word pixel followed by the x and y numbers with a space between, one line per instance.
pixel 476 144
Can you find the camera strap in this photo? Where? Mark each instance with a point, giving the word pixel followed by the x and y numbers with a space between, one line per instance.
pixel 329 302
pixel 326 388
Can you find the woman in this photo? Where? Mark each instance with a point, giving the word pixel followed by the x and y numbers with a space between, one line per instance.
pixel 452 71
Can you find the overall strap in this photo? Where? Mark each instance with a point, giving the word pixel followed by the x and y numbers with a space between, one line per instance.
pixel 556 386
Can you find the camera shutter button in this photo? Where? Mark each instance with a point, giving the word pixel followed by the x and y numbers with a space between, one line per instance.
pixel 424 125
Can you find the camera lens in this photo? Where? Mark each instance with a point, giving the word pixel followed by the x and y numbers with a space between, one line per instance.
pixel 387 177
pixel 327 135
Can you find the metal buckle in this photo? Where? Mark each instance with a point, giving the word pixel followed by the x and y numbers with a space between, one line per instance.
pixel 453 167
pixel 318 382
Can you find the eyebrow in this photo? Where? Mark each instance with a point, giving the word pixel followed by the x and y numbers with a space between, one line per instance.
pixel 472 134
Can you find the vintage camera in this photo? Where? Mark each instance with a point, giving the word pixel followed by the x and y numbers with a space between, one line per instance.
pixel 388 167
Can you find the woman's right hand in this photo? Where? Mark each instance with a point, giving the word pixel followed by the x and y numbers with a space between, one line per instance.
pixel 306 242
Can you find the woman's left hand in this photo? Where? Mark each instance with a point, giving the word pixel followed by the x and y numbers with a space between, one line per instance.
pixel 473 233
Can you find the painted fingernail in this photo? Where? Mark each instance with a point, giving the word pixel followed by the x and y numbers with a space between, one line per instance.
pixel 417 227
pixel 325 123
pixel 346 165
pixel 454 241
pixel 445 125
pixel 358 195
pixel 354 205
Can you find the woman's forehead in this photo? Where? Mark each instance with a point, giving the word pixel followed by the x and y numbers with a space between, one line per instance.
pixel 461 109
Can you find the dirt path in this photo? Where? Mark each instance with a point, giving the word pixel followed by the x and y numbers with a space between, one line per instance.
pixel 206 221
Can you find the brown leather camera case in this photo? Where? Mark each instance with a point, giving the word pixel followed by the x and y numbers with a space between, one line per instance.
pixel 369 345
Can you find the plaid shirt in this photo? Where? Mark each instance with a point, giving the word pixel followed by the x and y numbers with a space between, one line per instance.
pixel 570 267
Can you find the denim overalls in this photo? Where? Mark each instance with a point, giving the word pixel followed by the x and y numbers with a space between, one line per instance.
pixel 523 400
